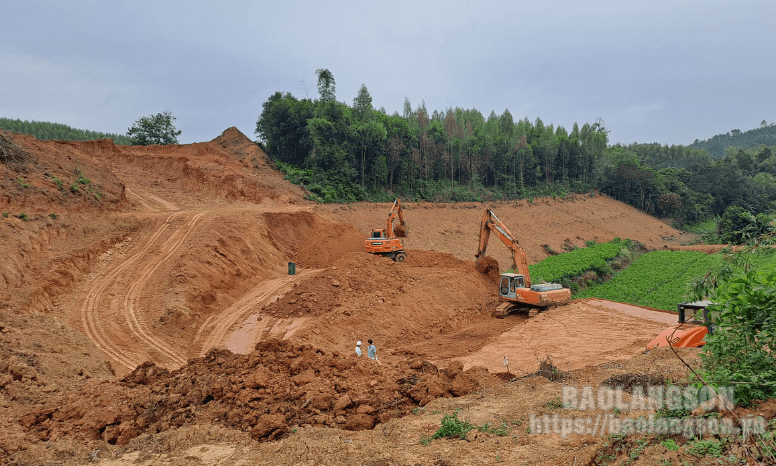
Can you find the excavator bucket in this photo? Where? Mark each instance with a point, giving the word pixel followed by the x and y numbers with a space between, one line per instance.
pixel 400 231
pixel 680 337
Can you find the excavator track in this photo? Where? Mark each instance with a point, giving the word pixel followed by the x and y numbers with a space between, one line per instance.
pixel 505 309
pixel 502 310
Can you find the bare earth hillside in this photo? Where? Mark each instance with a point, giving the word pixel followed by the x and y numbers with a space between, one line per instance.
pixel 147 316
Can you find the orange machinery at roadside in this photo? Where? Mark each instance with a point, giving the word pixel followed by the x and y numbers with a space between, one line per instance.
pixel 385 241
pixel 515 289
pixel 688 333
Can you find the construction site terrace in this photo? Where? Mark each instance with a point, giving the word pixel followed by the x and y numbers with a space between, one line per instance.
pixel 148 316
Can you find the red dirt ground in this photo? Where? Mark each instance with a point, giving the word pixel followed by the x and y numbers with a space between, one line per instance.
pixel 147 317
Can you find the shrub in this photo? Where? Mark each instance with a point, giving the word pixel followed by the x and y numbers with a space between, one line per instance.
pixel 670 445
pixel 83 179
pixel 743 345
pixel 453 427
pixel 709 447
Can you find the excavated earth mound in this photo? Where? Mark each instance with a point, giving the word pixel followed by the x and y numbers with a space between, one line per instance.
pixel 268 392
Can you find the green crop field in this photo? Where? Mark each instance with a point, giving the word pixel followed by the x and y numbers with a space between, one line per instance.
pixel 662 279
pixel 575 263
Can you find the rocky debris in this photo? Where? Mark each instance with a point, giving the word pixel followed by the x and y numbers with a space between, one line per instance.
pixel 267 393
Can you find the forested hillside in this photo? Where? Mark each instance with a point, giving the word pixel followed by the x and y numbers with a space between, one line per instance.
pixel 764 135
pixel 44 130
pixel 349 153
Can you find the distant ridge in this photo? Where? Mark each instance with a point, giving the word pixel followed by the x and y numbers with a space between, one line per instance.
pixel 764 135
pixel 45 131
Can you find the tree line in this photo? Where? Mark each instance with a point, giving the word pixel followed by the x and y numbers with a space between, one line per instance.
pixel 45 131
pixel 765 135
pixel 351 153
pixel 346 153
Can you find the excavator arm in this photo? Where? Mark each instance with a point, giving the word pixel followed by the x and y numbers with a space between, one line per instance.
pixel 519 259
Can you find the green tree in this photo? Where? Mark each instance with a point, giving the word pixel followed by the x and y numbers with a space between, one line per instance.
pixel 154 129
pixel 737 226
pixel 326 84
pixel 283 128
pixel 367 130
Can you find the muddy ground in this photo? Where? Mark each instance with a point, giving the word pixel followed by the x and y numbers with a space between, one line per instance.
pixel 148 317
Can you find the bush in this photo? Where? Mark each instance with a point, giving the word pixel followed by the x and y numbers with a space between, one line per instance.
pixel 737 226
pixel 743 345
pixel 453 427
pixel 711 447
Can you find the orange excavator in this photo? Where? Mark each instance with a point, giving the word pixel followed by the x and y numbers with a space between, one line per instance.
pixel 385 241
pixel 515 289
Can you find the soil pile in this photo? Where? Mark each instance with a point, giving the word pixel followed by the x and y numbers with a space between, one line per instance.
pixel 310 240
pixel 58 177
pixel 399 305
pixel 269 392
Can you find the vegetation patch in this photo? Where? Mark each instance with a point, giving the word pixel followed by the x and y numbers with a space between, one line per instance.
pixel 10 152
pixel 579 268
pixel 45 130
pixel 548 370
pixel 628 381
pixel 452 427
pixel 658 279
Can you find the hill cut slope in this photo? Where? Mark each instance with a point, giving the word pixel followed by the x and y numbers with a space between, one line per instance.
pixel 540 226
pixel 118 311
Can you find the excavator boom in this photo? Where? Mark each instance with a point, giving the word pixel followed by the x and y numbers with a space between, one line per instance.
pixel 515 289
pixel 519 259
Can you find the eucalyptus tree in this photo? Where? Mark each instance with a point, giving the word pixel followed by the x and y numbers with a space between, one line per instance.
pixel 423 122
pixel 326 84
pixel 330 131
pixel 367 129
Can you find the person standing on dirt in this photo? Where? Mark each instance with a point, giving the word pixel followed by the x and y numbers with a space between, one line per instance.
pixel 371 351
pixel 358 348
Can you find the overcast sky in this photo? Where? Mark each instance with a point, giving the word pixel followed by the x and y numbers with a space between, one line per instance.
pixel 666 71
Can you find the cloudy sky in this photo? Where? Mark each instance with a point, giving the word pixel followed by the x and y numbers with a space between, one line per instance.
pixel 666 71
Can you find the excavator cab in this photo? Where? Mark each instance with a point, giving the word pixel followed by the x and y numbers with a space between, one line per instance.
pixel 377 234
pixel 509 283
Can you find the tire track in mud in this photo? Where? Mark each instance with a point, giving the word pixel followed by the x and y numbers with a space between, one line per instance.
pixel 217 328
pixel 97 330
pixel 132 298
pixel 111 310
